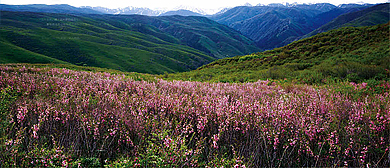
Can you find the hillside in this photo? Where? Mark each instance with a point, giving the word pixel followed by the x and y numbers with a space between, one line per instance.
pixel 354 54
pixel 126 42
pixel 12 54
pixel 241 13
pixel 214 39
pixel 277 25
pixel 378 14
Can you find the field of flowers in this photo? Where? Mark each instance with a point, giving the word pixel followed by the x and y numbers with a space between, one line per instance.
pixel 58 117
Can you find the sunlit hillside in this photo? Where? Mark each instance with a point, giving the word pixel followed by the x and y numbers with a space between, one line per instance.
pixel 353 54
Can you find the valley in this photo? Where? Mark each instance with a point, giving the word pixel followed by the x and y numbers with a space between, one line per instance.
pixel 128 43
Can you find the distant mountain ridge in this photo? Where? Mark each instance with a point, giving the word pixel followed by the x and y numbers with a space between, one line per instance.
pixel 374 15
pixel 144 10
pixel 127 11
pixel 181 12
pixel 62 8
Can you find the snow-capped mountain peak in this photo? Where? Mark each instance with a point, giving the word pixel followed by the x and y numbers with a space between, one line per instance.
pixel 247 4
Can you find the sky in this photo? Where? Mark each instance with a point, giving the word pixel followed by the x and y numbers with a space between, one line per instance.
pixel 171 4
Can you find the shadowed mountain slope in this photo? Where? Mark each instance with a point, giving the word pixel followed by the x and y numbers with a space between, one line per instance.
pixel 278 25
pixel 374 15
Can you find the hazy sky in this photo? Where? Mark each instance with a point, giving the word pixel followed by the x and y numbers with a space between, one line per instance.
pixel 154 4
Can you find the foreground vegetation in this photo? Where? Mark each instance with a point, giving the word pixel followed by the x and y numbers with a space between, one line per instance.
pixel 56 117
pixel 346 54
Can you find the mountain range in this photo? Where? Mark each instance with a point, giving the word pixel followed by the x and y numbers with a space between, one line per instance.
pixel 126 11
pixel 130 10
pixel 127 39
pixel 277 25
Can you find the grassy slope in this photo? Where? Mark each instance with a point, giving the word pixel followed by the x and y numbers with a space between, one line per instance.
pixel 349 53
pixel 81 40
pixel 102 41
pixel 14 54
pixel 200 33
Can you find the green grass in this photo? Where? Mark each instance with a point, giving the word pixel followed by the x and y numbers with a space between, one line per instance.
pixel 95 49
pixel 346 54
pixel 14 54
pixel 128 43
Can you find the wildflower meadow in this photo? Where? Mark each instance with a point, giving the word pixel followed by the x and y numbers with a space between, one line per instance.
pixel 53 117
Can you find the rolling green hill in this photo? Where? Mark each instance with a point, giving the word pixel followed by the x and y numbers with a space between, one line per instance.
pixel 14 54
pixel 354 54
pixel 217 40
pixel 124 42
